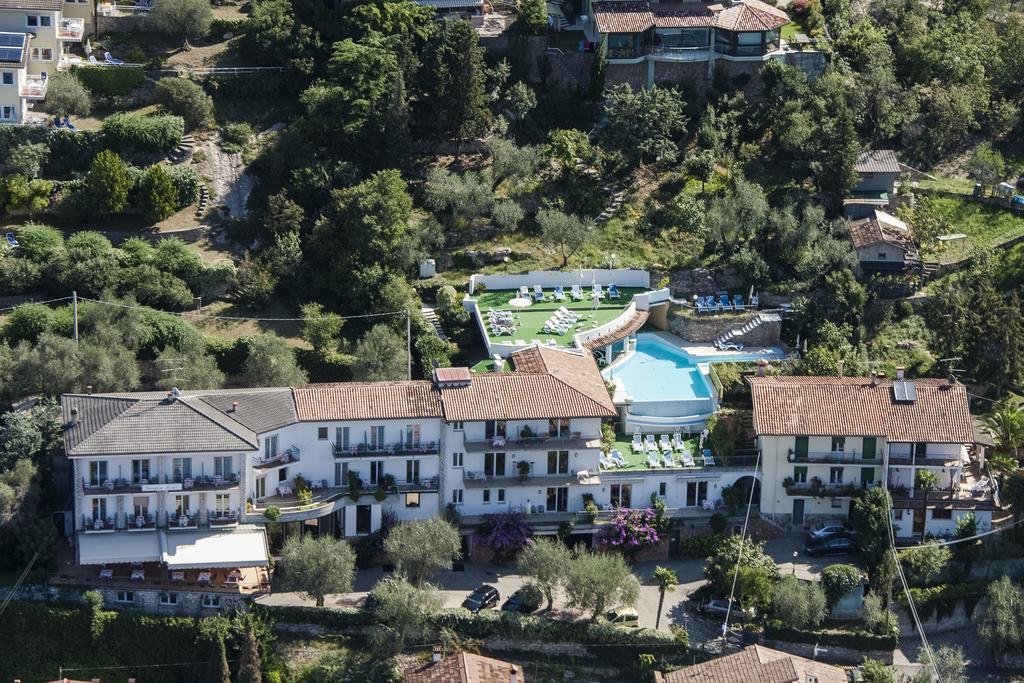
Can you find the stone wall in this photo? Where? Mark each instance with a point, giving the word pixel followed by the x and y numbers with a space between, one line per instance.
pixel 189 603
pixel 707 328
pixel 937 621
pixel 634 74
pixel 127 24
pixel 833 654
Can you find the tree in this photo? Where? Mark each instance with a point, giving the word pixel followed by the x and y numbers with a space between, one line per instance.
pixel 596 583
pixel 1007 423
pixel 271 363
pixel 520 100
pixel 966 528
pixel 511 161
pixel 107 183
pixel 19 439
pixel 686 213
pixel 466 196
pixel 546 561
pixel 870 521
pixel 31 196
pixel 948 661
pixel 246 626
pixel 1000 621
pixel 645 125
pixel 878 618
pixel 215 630
pixel 423 547
pixel 380 355
pixel 837 580
pixel 159 196
pixel 798 603
pixel 534 14
pixel 39 243
pixel 317 567
pixel 185 19
pixel 666 580
pixel 28 158
pixel 875 671
pixel 66 95
pixel 402 610
pixel 255 281
pixel 189 367
pixel 453 82
pixel 702 167
pixel 186 99
pixel 730 551
pixel 321 328
pixel 566 232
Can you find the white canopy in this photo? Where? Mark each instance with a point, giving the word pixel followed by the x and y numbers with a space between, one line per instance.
pixel 212 549
pixel 118 548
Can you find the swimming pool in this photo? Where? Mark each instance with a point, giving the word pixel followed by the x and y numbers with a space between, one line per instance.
pixel 666 383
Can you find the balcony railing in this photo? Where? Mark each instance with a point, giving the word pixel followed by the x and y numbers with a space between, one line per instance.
pixel 98 524
pixel 286 457
pixel 223 518
pixel 681 54
pixel 844 457
pixel 144 522
pixel 365 449
pixel 184 521
pixel 925 460
pixel 822 490
pixel 944 498
pixel 34 87
pixel 571 441
pixel 541 477
pixel 71 29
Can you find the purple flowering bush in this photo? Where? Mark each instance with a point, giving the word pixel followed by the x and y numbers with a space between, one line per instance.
pixel 507 534
pixel 631 529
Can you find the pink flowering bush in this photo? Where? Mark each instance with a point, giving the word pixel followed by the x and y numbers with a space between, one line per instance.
pixel 507 534
pixel 630 530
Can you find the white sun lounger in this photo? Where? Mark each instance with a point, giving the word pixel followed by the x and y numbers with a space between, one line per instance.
pixel 688 459
pixel 665 443
pixel 559 293
pixel 677 442
pixel 538 293
pixel 666 456
pixel 577 293
pixel 652 460
pixel 617 458
pixel 638 444
pixel 649 442
pixel 524 292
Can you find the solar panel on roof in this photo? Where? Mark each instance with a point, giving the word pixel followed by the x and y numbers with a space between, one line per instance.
pixel 12 40
pixel 8 54
pixel 904 391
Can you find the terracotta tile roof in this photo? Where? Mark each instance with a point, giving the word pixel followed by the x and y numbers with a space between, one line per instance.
pixel 878 229
pixel 682 15
pixel 757 664
pixel 576 368
pixel 519 396
pixel 43 5
pixel 443 375
pixel 751 15
pixel 877 161
pixel 623 17
pixel 466 668
pixel 851 406
pixel 366 401
pixel 631 325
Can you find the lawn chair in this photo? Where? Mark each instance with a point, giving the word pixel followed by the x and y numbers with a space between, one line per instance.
pixel 617 458
pixel 665 443
pixel 94 61
pixel 711 302
pixel 649 443
pixel 737 302
pixel 596 292
pixel 709 460
pixel 112 60
pixel 11 242
pixel 723 302
pixel 559 293
pixel 613 292
pixel 753 301
pixel 688 459
pixel 666 457
pixel 677 442
pixel 652 460
pixel 577 293
pixel 700 305
pixel 638 444
pixel 606 463
pixel 538 293
pixel 524 292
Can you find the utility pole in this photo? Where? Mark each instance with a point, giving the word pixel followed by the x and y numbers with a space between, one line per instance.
pixel 74 307
pixel 408 339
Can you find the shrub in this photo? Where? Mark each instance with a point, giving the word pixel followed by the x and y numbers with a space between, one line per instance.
pixel 186 99
pixel 235 137
pixel 221 27
pixel 271 513
pixel 107 184
pixel 66 95
pixel 630 530
pixel 18 275
pixel 798 603
pixel 28 158
pixel 506 534
pixel 838 580
pixel 699 546
pixel 718 523
pixel 137 133
pixel 111 82
pixel 158 198
pixel 186 182
pixel 853 639
pixel 39 242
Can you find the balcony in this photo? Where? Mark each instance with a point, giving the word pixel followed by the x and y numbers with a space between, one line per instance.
pixel 959 499
pixel 145 522
pixel 573 441
pixel 366 450
pixel 98 525
pixel 182 522
pixel 481 480
pixel 911 459
pixel 834 457
pixel 34 87
pixel 223 518
pixel 283 459
pixel 819 489
pixel 71 29
pixel 331 499
pixel 680 54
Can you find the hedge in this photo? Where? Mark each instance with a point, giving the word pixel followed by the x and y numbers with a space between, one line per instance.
pixel 854 640
pixel 942 599
pixel 70 151
pixel 38 638
pixel 219 27
pixel 184 178
pixel 699 546
pixel 111 82
pixel 328 617
pixel 137 133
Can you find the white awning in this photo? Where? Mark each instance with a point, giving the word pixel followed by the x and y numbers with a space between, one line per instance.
pixel 118 548
pixel 212 549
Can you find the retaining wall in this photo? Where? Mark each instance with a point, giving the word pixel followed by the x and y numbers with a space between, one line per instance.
pixel 837 655
pixel 566 278
pixel 707 328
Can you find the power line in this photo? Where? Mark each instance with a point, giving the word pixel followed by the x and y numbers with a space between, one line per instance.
pixel 17 584
pixel 24 303
pixel 739 553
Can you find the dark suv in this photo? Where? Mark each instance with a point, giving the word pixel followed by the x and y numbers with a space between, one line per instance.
pixel 837 545
pixel 483 597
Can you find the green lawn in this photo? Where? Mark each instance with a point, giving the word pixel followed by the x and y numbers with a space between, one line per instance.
pixel 985 226
pixel 638 461
pixel 530 321
pixel 957 185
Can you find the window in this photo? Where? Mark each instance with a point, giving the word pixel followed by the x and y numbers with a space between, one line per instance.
pixel 799 475
pixel 501 495
pixel 140 470
pixel 125 596
pixel 181 469
pixel 321 433
pixel 341 474
pixel 942 514
pixel 662 488
pixel 168 598
pixel 7 113
pixel 97 472
pixel 99 508
pixel 270 447
pixel 920 451
pixel 412 500
pixel 377 438
pixel 800 449
pixel 376 471
pixel 412 470
pixel 8 78
pixel 558 426
pixel 835 475
pixel 621 495
pixel 696 493
pixel 140 506
pixel 867 476
pixel 870 444
pixel 282 474
pixel 838 444
pixel 558 462
pixel 222 504
pixel 222 466
pixel 897 514
pixel 487 496
pixel 494 464
pixel 494 428
pixel 412 436
pixel 457 496
pixel 882 256
pixel 42 54
pixel 180 506
pixel 341 438
pixel 457 459
pixel 837 503
pixel 261 487
pixel 459 426
pixel 32 20
pixel 558 499
pixel 211 601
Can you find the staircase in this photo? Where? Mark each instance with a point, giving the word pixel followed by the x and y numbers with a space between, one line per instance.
pixel 183 152
pixel 204 201
pixel 928 269
pixel 750 325
pixel 431 316
pixel 618 197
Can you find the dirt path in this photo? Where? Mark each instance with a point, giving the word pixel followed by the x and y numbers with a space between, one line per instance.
pixel 229 182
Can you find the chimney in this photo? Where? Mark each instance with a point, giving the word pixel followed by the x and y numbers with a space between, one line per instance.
pixel 234 406
pixel 762 367
pixel 899 372
pixel 839 368
pixel 952 379
pixel 131 680
pixel 88 388
pixel 874 379
pixel 513 675
pixel 74 417
pixel 435 653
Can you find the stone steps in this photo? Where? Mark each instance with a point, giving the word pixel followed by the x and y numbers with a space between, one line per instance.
pixel 431 316
pixel 204 201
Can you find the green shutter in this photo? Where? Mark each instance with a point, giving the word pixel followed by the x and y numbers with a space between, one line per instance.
pixel 869 447
pixel 801 447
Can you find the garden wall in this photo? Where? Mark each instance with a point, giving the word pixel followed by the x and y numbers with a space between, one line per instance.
pixel 125 24
pixel 837 655
pixel 936 619
pixel 190 603
pixel 707 328
pixel 566 278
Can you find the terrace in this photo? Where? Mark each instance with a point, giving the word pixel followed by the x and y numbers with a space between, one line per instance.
pixel 327 499
pixel 363 449
pixel 638 461
pixel 156 575
pixel 529 321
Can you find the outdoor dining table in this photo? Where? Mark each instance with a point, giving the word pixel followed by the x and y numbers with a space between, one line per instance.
pixel 204 577
pixel 138 574
pixel 106 573
pixel 177 576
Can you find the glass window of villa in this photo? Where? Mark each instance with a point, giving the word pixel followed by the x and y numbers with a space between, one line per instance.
pixel 181 469
pixel 140 506
pixel 8 78
pixel 412 470
pixel 457 496
pixel 683 37
pixel 45 21
pixel 42 54
pixel 32 20
pixel 140 470
pixel 180 505
pixel 867 476
pixel 99 508
pixel 270 446
pixel 662 487
pixel 621 45
pixel 341 437
pixel 494 464
pixel 211 601
pixel 8 112
pixel 799 475
pixel 125 596
pixel 920 450
pixel 696 492
pixel 222 503
pixel 377 438
pixel 558 499
pixel 376 471
pixel 558 426
pixel 801 447
pixel 222 466
pixel 870 445
pixel 458 426
pixel 835 475
pixel 501 495
pixel 412 435
pixel 837 503
pixel 558 462
pixel 621 495
pixel 412 500
pixel 97 472
pixel 168 598
pixel 457 459
pixel 487 496
pixel 838 444
pixel 321 433
pixel 341 474
pixel 897 514
pixel 748 38
pixel 493 428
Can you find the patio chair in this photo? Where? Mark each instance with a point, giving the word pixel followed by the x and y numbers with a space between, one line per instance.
pixel 723 302
pixel 68 124
pixel 524 292
pixel 688 459
pixel 617 458
pixel 737 302
pixel 753 301
pixel 667 458
pixel 596 292
pixel 677 442
pixel 605 463
pixel 613 292
pixel 577 293
pixel 112 60
pixel 57 123
pixel 538 293
pixel 649 443
pixel 94 61
pixel 709 460
pixel 700 305
pixel 652 460
pixel 665 443
pixel 638 444
pixel 711 303
pixel 559 293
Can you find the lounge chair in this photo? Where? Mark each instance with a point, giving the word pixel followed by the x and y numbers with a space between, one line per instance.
pixel 666 457
pixel 559 293
pixel 93 61
pixel 729 346
pixel 112 60
pixel 524 292
pixel 665 443
pixel 11 241
pixel 652 460
pixel 753 301
pixel 711 303
pixel 613 292
pixel 577 293
pixel 737 302
pixel 607 463
pixel 677 442
pixel 723 302
pixel 650 444
pixel 688 459
pixel 596 292
pixel 617 458
pixel 538 293
pixel 709 460
pixel 638 444
pixel 700 305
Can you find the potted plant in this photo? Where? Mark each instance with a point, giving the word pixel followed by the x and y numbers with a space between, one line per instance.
pixel 388 483
pixel 526 432
pixel 788 482
pixel 305 497
pixel 523 467
pixel 380 494
pixel 752 633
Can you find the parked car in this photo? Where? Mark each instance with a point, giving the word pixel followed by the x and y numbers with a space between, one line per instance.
pixel 624 616
pixel 830 530
pixel 837 545
pixel 483 597
pixel 719 607
pixel 521 601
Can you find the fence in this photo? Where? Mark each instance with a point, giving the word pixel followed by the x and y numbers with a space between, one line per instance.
pixel 566 278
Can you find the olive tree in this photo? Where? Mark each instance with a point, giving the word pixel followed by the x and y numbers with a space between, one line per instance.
pixel 800 604
pixel 423 547
pixel 563 231
pixel 185 19
pixel 317 567
pixel 66 95
pixel 401 610
pixel 595 583
pixel 546 561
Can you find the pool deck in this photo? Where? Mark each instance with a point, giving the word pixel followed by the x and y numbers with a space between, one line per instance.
pixel 707 353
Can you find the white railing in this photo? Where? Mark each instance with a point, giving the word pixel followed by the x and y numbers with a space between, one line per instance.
pixel 35 86
pixel 72 29
pixel 622 277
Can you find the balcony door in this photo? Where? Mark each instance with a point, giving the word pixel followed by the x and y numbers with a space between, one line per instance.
pixel 377 438
pixel 494 464
pixel 97 472
pixel 558 499
pixel 801 447
pixel 140 471
pixel 558 462
pixel 412 436
pixel 870 447
pixel 99 508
